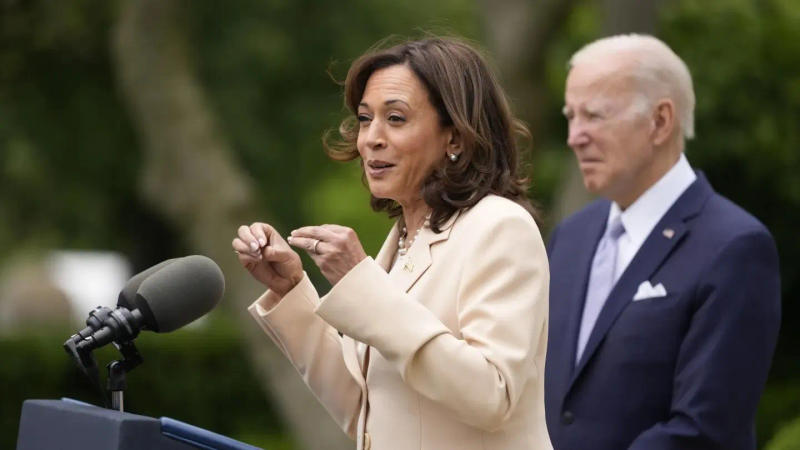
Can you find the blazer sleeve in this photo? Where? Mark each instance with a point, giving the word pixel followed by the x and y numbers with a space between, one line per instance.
pixel 725 356
pixel 479 370
pixel 314 349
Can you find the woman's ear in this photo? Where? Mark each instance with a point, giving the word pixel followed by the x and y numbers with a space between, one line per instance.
pixel 663 121
pixel 454 142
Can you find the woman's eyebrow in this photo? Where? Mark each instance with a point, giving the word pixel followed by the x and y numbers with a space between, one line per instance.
pixel 395 100
pixel 387 102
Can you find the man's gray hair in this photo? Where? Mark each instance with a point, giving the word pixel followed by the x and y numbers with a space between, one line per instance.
pixel 660 72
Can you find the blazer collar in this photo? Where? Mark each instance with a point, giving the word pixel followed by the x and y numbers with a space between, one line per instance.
pixel 419 259
pixel 416 262
pixel 664 238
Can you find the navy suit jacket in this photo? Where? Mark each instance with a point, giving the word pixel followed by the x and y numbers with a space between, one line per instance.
pixel 684 371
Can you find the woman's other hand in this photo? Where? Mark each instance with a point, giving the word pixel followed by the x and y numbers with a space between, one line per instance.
pixel 268 258
pixel 335 249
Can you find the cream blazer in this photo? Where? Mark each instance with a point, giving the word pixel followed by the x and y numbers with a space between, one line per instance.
pixel 444 350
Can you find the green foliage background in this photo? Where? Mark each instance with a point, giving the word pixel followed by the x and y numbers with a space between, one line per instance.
pixel 70 159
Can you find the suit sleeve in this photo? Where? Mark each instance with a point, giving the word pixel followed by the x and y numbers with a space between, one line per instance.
pixel 479 370
pixel 314 348
pixel 726 353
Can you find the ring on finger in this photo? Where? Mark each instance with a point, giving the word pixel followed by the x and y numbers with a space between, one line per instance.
pixel 314 247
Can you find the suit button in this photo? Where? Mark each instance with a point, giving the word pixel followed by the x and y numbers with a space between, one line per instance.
pixel 567 418
pixel 367 442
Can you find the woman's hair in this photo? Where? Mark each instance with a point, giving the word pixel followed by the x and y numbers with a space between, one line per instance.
pixel 466 96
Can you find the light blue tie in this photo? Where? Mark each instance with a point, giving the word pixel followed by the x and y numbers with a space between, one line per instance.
pixel 601 280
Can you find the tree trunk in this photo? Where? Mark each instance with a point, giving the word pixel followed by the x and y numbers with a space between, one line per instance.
pixel 191 178
pixel 519 33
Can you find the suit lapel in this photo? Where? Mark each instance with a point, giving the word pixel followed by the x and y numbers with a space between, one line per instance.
pixel 355 364
pixel 352 361
pixel 404 275
pixel 418 259
pixel 583 248
pixel 388 249
pixel 652 254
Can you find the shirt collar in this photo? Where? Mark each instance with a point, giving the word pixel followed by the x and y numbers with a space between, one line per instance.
pixel 642 216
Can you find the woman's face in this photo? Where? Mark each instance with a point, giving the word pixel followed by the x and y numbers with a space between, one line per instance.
pixel 400 139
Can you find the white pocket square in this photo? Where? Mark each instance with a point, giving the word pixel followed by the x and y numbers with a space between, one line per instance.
pixel 646 290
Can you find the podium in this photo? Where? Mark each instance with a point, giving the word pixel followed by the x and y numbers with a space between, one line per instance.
pixel 71 425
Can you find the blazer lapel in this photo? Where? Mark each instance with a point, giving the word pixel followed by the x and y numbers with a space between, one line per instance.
pixel 419 259
pixel 655 250
pixel 352 362
pixel 388 249
pixel 416 262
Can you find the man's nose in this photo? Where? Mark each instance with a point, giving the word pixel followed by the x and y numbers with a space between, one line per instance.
pixel 576 135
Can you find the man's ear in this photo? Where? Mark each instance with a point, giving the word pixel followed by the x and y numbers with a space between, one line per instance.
pixel 663 121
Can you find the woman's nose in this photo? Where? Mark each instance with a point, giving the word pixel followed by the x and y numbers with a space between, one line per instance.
pixel 374 138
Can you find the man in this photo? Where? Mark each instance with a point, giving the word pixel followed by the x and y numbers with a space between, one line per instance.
pixel 664 296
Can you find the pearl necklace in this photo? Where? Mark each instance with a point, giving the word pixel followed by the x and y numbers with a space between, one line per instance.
pixel 402 248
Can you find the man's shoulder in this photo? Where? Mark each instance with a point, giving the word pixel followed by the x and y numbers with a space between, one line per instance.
pixel 726 220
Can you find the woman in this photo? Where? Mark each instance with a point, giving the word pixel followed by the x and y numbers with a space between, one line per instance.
pixel 443 334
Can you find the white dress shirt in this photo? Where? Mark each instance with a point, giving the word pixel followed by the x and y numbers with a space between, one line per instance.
pixel 641 217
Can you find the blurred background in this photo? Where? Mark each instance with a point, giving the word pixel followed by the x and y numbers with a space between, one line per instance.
pixel 132 131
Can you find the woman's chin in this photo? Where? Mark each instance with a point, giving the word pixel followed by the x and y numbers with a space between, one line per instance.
pixel 379 190
pixel 381 195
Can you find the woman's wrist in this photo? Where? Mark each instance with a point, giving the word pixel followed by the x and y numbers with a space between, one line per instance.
pixel 291 282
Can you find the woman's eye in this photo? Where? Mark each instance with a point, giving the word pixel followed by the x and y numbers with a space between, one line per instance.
pixel 396 118
pixel 363 118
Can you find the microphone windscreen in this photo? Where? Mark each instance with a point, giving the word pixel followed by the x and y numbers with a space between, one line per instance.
pixel 180 292
pixel 127 296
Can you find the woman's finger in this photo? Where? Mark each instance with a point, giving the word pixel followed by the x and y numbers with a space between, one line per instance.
pixel 240 247
pixel 336 228
pixel 262 233
pixel 311 245
pixel 247 258
pixel 246 235
pixel 272 253
pixel 314 232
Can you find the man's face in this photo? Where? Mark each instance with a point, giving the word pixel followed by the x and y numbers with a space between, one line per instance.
pixel 608 131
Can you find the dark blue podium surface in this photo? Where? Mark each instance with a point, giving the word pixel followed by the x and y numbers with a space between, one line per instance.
pixel 70 425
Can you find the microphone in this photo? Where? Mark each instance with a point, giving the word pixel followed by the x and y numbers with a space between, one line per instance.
pixel 128 293
pixel 162 298
pixel 100 314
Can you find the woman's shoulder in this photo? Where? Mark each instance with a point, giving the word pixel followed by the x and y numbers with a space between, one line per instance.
pixel 494 208
pixel 495 214
pixel 498 223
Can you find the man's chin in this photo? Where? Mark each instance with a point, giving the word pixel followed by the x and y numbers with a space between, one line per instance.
pixel 593 185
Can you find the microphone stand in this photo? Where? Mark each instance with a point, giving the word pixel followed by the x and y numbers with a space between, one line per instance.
pixel 118 369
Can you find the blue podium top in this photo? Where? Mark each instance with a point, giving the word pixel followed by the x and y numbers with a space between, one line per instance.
pixel 71 424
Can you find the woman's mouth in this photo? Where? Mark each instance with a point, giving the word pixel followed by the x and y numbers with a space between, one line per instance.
pixel 377 168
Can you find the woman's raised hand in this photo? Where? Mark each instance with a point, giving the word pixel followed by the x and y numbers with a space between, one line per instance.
pixel 334 248
pixel 268 258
